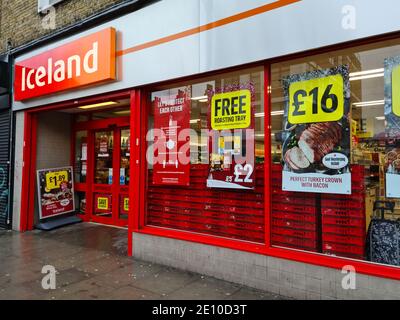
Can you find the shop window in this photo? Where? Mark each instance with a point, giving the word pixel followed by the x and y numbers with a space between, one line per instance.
pixel 81 152
pixel 335 146
pixel 125 154
pixel 104 148
pixel 205 156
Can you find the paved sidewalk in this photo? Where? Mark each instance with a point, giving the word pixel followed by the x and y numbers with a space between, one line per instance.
pixel 91 263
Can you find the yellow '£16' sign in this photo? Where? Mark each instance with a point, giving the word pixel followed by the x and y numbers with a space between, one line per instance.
pixel 316 100
pixel 396 91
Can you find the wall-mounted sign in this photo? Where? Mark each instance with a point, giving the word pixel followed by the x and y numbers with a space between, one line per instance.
pixel 172 138
pixel 82 62
pixel 316 148
pixel 55 192
pixel 231 142
pixel 392 130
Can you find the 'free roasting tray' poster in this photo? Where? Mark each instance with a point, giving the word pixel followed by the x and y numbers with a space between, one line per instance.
pixel 392 117
pixel 316 136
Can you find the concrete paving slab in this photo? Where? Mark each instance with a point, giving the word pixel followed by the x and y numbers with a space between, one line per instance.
pixel 92 263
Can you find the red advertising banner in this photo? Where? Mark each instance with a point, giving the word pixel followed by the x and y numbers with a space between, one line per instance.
pixel 55 192
pixel 171 137
pixel 231 139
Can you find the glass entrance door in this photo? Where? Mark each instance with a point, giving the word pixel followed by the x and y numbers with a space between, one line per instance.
pixel 111 175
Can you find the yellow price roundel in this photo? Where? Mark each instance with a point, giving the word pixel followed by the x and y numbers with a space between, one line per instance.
pixel 396 91
pixel 126 204
pixel 55 178
pixel 316 100
pixel 231 110
pixel 102 203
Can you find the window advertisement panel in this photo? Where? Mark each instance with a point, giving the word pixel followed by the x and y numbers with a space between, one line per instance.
pixel 229 209
pixel 231 139
pixel 171 137
pixel 392 117
pixel 55 191
pixel 317 132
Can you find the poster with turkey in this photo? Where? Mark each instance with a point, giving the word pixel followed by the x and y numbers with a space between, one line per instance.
pixel 231 138
pixel 392 129
pixel 171 137
pixel 317 132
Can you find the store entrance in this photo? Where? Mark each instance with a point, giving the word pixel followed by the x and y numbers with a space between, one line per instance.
pixel 101 166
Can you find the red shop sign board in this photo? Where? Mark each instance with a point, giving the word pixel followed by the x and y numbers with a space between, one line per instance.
pixel 172 138
pixel 81 62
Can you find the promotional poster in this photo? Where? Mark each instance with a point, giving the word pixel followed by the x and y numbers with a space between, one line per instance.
pixel 231 141
pixel 392 117
pixel 55 192
pixel 316 147
pixel 171 118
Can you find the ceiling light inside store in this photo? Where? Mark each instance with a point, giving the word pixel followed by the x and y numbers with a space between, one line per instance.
pixel 200 98
pixel 194 120
pixel 369 103
pixel 122 112
pixel 380 118
pixel 277 113
pixel 98 105
pixel 367 74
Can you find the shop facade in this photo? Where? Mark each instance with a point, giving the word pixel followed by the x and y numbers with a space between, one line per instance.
pixel 224 147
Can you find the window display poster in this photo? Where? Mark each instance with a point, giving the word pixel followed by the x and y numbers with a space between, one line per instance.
pixel 231 140
pixel 317 132
pixel 102 203
pixel 392 130
pixel 55 191
pixel 171 118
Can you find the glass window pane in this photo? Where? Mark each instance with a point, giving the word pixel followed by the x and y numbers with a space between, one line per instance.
pixel 222 192
pixel 125 156
pixel 104 147
pixel 81 156
pixel 331 223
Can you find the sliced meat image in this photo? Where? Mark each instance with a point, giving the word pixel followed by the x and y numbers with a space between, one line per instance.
pixel 296 159
pixel 319 139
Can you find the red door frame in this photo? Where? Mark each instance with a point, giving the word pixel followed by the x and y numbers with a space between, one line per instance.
pixel 30 147
pixel 89 187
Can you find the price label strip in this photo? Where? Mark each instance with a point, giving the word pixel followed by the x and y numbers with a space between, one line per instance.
pixel 316 100
pixel 54 179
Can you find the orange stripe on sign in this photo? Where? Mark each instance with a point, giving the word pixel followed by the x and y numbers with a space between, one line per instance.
pixel 212 25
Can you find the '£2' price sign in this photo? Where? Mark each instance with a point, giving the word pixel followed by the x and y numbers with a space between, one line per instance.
pixel 54 179
pixel 316 100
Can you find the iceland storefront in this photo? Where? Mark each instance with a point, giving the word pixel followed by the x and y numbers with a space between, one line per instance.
pixel 248 142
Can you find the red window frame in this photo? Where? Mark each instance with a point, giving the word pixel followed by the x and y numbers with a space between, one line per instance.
pixel 319 259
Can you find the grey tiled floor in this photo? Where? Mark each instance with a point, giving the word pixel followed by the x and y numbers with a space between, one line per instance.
pixel 91 263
